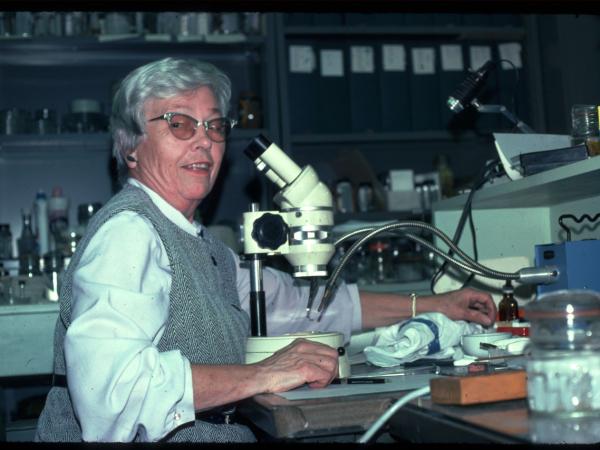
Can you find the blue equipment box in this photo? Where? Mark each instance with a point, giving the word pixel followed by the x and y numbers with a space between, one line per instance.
pixel 577 261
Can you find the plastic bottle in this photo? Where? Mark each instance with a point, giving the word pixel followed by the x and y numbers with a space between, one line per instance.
pixel 58 208
pixel 41 222
pixel 508 308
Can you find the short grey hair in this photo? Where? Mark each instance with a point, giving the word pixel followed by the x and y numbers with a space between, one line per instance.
pixel 160 79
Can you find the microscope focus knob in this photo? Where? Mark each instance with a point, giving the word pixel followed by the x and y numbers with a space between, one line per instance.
pixel 270 231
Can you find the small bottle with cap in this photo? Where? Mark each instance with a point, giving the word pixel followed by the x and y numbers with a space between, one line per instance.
pixel 41 221
pixel 508 308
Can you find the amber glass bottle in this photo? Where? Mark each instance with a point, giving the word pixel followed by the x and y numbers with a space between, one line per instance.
pixel 508 308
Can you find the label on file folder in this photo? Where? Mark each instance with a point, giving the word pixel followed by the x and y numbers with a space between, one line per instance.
pixel 451 58
pixel 512 52
pixel 362 59
pixel 423 59
pixel 302 59
pixel 394 58
pixel 479 55
pixel 332 63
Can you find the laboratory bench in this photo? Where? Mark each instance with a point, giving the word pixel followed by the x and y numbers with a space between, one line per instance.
pixel 345 419
pixel 339 419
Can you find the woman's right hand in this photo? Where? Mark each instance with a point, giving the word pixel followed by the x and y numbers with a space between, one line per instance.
pixel 300 362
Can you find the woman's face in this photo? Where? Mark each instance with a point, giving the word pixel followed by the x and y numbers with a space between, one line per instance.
pixel 182 172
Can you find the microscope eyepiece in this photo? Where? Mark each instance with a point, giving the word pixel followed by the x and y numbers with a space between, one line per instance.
pixel 257 147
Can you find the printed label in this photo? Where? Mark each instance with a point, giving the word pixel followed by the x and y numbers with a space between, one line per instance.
pixel 332 63
pixel 302 59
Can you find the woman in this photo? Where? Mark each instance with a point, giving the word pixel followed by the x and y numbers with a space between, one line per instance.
pixel 152 332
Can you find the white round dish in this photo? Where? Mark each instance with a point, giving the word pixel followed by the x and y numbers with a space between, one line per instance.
pixel 514 345
pixel 470 343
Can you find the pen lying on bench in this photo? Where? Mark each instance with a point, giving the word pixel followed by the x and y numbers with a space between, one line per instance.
pixel 366 380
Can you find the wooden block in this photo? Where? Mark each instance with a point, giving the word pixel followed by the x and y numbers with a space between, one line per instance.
pixel 473 389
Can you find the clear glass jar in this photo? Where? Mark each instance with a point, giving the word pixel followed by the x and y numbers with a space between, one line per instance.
pixel 563 374
pixel 585 127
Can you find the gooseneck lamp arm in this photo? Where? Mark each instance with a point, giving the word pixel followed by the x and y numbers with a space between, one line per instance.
pixel 527 275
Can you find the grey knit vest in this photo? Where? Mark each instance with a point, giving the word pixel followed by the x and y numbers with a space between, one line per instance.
pixel 205 322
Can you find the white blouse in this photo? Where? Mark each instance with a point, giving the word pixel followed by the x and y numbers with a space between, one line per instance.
pixel 119 382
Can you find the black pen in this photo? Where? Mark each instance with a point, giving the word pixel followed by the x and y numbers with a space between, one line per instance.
pixel 366 380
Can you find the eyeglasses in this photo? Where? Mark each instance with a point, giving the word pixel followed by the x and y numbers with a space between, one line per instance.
pixel 184 127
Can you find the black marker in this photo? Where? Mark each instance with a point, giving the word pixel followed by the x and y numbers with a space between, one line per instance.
pixel 367 380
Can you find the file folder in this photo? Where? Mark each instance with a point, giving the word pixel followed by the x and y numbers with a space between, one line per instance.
pixel 452 73
pixel 480 52
pixel 394 87
pixel 333 102
pixel 363 76
pixel 302 86
pixel 425 88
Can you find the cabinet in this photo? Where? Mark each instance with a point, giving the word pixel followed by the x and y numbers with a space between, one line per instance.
pixel 378 83
pixel 52 72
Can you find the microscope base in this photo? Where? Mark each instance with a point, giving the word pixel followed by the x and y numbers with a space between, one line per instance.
pixel 259 348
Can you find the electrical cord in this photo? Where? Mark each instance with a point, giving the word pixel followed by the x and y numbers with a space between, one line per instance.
pixel 374 428
pixel 483 177
pixel 515 85
pixel 475 251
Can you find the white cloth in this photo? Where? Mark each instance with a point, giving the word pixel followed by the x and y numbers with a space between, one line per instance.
pixel 142 389
pixel 430 334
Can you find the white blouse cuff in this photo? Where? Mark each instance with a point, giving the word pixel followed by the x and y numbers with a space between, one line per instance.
pixel 184 410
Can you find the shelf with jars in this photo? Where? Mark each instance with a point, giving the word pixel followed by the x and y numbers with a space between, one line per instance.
pixel 60 70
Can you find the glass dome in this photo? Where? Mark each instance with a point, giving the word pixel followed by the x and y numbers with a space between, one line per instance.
pixel 565 320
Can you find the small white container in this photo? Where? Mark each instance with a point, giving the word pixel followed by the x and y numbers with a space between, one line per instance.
pixel 471 343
